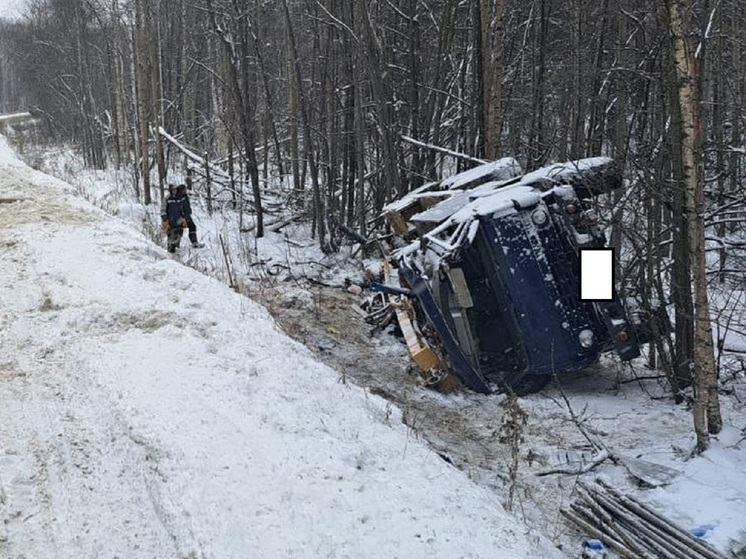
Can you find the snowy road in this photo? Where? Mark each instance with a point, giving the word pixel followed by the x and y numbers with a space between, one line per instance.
pixel 149 411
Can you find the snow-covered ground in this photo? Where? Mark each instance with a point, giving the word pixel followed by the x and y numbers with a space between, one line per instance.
pixel 147 410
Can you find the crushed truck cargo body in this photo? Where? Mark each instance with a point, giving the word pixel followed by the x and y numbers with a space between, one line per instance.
pixel 489 282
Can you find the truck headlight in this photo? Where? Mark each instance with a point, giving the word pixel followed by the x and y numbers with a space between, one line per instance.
pixel 586 338
pixel 539 217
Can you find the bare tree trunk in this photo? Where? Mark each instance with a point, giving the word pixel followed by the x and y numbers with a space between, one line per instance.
pixel 267 92
pixel 597 113
pixel 537 144
pixel 293 119
pixel 239 86
pixel 578 98
pixel 707 416
pixel 189 95
pixel 435 99
pixel 359 149
pixel 682 373
pixel 378 77
pixel 119 98
pixel 329 86
pixel 157 100
pixel 319 209
pixel 718 120
pixel 143 73
pixel 736 120
pixel 492 21
pixel 123 140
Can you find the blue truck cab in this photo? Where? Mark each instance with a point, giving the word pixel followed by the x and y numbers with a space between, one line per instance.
pixel 493 273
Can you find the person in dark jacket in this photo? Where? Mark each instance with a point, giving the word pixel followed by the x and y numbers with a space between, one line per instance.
pixel 176 214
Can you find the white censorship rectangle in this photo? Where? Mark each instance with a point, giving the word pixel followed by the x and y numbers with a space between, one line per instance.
pixel 596 274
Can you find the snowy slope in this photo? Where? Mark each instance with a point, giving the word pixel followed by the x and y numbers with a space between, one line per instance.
pixel 149 411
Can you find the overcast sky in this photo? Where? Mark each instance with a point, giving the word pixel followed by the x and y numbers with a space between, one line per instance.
pixel 10 8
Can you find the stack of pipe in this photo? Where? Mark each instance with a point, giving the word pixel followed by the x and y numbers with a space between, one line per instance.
pixel 631 528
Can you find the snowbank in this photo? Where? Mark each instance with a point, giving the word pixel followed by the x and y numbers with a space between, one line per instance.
pixel 149 411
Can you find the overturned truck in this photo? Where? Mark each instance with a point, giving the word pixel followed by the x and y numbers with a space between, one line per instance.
pixel 486 284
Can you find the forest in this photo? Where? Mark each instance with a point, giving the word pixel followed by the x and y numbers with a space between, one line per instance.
pixel 350 105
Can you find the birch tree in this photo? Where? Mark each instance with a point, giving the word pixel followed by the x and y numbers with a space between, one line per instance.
pixel 707 418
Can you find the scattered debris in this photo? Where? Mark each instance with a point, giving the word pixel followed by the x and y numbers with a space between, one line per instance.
pixel 648 473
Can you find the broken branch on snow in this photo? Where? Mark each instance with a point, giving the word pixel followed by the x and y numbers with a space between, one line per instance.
pixel 599 457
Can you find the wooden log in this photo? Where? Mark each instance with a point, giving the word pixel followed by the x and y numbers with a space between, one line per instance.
pixel 664 545
pixel 619 529
pixel 653 517
pixel 596 533
pixel 588 500
pixel 607 526
pixel 277 226
pixel 633 523
pixel 600 457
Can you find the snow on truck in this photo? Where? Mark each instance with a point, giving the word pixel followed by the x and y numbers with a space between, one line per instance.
pixel 486 286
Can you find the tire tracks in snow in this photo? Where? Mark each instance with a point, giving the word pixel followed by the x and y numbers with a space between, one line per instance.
pixel 63 446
